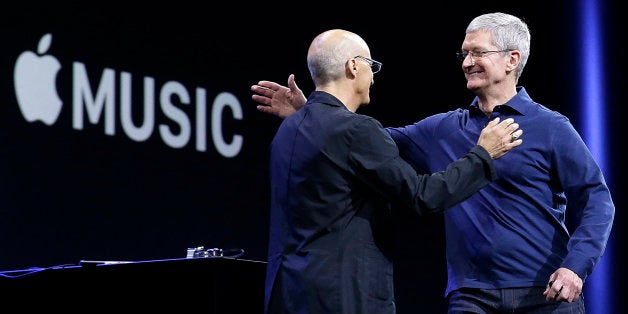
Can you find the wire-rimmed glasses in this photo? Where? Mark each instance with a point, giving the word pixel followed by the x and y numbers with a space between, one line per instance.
pixel 477 54
pixel 376 66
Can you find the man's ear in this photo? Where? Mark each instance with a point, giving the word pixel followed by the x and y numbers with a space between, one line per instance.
pixel 515 59
pixel 351 67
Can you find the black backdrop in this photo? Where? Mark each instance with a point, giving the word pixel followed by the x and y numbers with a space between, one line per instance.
pixel 79 193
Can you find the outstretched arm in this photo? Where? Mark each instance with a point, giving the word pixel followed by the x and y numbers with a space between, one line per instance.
pixel 277 99
pixel 467 175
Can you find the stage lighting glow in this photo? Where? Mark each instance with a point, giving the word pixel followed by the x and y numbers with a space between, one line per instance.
pixel 598 287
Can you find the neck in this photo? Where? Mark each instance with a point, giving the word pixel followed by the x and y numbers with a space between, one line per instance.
pixel 487 101
pixel 343 94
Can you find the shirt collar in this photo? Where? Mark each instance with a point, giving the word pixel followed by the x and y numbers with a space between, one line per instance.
pixel 519 104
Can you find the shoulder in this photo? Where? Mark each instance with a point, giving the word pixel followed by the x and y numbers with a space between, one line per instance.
pixel 544 117
pixel 443 118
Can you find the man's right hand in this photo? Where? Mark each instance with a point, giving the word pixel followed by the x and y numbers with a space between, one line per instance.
pixel 498 138
pixel 278 99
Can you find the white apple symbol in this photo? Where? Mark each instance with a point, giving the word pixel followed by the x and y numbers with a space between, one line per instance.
pixel 35 84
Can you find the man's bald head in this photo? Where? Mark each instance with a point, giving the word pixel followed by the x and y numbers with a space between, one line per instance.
pixel 329 52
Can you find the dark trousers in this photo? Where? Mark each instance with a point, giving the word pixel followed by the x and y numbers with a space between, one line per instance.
pixel 528 300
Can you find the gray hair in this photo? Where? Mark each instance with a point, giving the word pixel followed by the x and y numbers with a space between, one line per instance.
pixel 509 32
pixel 327 66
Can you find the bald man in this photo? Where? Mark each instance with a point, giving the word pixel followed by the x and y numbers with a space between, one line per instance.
pixel 335 176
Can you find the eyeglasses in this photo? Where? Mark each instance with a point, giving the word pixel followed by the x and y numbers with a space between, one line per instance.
pixel 376 66
pixel 477 54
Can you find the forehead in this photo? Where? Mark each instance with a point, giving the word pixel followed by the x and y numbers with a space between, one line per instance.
pixel 477 40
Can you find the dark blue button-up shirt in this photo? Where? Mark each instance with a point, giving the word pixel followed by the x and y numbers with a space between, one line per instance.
pixel 515 231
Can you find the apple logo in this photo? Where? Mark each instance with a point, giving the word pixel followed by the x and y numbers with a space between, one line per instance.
pixel 35 84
